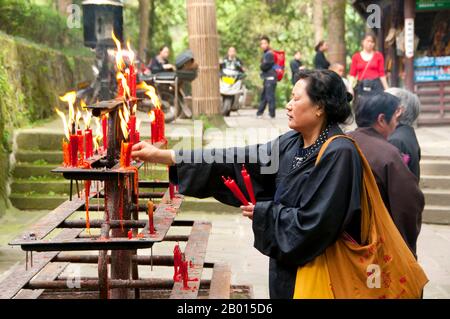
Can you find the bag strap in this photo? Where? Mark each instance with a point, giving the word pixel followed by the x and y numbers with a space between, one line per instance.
pixel 369 189
pixel 367 65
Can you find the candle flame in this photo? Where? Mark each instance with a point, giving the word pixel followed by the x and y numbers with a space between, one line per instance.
pixel 87 119
pixel 70 98
pixel 120 63
pixel 120 77
pixel 152 116
pixel 151 93
pixel 77 118
pixel 83 105
pixel 63 118
pixel 98 134
pixel 123 125
pixel 131 54
pixel 125 113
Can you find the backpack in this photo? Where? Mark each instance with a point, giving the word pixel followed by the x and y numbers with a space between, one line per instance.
pixel 280 59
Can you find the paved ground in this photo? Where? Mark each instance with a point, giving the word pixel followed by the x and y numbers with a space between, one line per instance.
pixel 231 239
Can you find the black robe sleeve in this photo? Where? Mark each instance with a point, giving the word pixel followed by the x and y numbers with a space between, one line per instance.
pixel 199 173
pixel 296 235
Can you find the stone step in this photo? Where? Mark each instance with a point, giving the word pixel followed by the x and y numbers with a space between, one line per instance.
pixel 46 201
pixel 433 182
pixel 435 157
pixel 435 167
pixel 25 170
pixel 61 186
pixel 34 202
pixel 433 214
pixel 53 157
pixel 30 140
pixel 437 197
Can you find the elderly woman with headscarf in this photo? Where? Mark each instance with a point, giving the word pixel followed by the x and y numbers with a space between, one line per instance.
pixel 404 136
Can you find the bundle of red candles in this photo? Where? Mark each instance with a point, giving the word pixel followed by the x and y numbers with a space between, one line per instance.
pixel 234 188
pixel 157 126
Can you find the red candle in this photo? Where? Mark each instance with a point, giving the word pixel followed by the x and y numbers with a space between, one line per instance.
pixel 66 153
pixel 80 145
pixel 231 184
pixel 73 146
pixel 125 154
pixel 119 88
pixel 176 262
pixel 161 127
pixel 104 131
pixel 153 130
pixel 132 84
pixel 171 191
pixel 89 143
pixel 184 274
pixel 130 234
pixel 132 128
pixel 248 184
pixel 151 226
pixel 137 137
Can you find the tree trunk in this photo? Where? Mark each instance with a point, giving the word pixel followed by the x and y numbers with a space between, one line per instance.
pixel 203 41
pixel 318 20
pixel 151 29
pixel 144 15
pixel 336 31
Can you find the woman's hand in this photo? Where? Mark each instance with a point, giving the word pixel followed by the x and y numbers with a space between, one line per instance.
pixel 146 152
pixel 247 211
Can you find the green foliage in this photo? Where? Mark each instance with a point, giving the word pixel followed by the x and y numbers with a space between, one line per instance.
pixel 39 23
pixel 354 34
pixel 40 162
pixel 169 26
pixel 240 23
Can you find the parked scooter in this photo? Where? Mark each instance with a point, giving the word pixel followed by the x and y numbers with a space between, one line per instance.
pixel 231 90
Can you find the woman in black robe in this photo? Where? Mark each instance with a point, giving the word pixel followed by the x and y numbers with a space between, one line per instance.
pixel 301 208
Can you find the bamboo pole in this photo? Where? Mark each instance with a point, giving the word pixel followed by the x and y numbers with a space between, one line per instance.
pixel 203 41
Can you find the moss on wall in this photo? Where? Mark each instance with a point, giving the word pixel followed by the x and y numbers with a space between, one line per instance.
pixel 31 79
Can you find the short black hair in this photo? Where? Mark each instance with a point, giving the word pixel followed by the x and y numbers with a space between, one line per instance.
pixel 318 45
pixel 163 47
pixel 264 37
pixel 371 107
pixel 326 89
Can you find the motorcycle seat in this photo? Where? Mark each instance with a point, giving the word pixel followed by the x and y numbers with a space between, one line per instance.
pixel 165 76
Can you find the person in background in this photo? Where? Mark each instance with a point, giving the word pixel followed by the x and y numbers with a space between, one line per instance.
pixel 232 62
pixel 320 61
pixel 340 70
pixel 269 77
pixel 160 62
pixel 377 118
pixel 296 65
pixel 367 70
pixel 404 136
